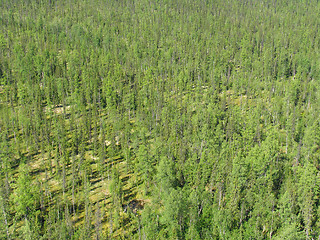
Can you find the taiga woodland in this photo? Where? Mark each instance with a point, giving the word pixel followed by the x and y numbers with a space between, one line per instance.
pixel 159 119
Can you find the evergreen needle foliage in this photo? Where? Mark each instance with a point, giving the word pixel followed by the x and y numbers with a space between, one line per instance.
pixel 157 119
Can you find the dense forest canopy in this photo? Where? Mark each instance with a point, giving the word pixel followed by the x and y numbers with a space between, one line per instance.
pixel 157 119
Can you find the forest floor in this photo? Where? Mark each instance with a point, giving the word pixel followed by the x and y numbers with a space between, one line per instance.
pixel 46 172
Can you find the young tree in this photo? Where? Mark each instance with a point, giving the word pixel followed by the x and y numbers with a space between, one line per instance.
pixel 25 196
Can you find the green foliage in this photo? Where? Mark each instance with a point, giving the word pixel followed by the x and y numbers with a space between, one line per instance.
pixel 25 197
pixel 116 188
pixel 159 119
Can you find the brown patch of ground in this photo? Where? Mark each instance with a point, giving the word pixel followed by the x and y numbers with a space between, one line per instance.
pixel 57 109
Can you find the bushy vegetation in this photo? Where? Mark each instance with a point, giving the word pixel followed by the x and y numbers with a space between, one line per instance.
pixel 159 119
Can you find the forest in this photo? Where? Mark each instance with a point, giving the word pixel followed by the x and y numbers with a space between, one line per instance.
pixel 159 119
